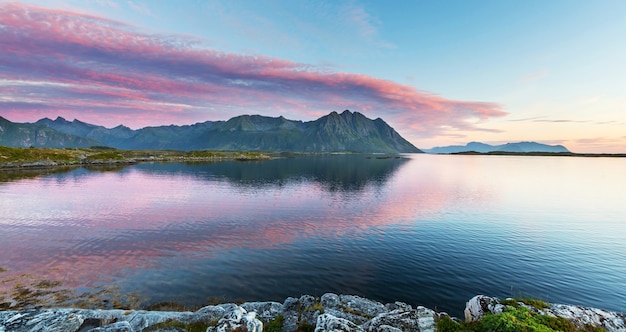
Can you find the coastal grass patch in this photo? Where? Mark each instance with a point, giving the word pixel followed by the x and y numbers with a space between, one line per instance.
pixel 107 155
pixel 305 327
pixel 12 157
pixel 447 324
pixel 275 325
pixel 315 307
pixel 29 155
pixel 356 313
pixel 514 319
pixel 189 327
pixel 535 303
pixel 222 155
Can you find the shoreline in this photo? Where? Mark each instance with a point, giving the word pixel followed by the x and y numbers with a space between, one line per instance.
pixel 330 312
pixel 537 154
pixel 15 159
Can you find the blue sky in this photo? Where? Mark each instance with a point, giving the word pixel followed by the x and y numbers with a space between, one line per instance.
pixel 440 72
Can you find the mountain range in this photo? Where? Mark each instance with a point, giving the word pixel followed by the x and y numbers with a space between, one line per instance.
pixel 520 147
pixel 348 131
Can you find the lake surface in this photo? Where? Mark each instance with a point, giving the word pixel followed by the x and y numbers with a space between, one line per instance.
pixel 429 230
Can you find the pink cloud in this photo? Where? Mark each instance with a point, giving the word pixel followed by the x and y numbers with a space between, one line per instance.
pixel 108 68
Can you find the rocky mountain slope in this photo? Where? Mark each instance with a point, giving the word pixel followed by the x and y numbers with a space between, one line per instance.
pixel 39 135
pixel 348 131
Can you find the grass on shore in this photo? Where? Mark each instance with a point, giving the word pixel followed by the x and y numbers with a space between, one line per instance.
pixel 515 318
pixel 15 157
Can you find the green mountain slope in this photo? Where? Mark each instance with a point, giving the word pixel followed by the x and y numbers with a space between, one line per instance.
pixel 37 135
pixel 334 132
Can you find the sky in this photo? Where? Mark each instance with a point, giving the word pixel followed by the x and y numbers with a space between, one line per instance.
pixel 440 72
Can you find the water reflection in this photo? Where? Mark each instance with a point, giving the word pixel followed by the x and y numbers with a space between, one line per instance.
pixel 346 173
pixel 65 225
pixel 429 230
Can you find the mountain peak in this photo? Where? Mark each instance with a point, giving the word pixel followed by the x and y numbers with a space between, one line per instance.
pixel 335 132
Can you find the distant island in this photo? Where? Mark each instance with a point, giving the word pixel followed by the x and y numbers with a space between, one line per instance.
pixel 520 147
pixel 345 132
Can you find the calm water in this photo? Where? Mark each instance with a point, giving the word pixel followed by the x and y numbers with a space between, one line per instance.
pixel 427 230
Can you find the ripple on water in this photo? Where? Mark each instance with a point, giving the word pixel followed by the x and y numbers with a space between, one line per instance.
pixel 429 231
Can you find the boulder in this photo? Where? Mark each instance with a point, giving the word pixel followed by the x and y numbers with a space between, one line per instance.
pixel 122 326
pixel 580 316
pixel 209 314
pixel 351 307
pixel 141 319
pixel 237 319
pixel 290 314
pixel 418 319
pixel 330 323
pixel 44 320
pixel 266 311
pixel 478 306
pixel 309 310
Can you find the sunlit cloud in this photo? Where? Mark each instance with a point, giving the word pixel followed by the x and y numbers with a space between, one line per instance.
pixel 99 70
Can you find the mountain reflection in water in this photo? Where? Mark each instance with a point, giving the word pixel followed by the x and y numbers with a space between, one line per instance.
pixel 426 230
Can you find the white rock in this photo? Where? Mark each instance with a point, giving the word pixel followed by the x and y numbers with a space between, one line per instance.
pixel 419 319
pixel 330 323
pixel 267 311
pixel 123 326
pixel 477 306
pixel 251 322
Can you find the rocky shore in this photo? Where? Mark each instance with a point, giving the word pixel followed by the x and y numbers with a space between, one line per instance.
pixel 330 312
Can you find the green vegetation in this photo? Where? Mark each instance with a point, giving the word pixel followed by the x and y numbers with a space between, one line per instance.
pixel 305 327
pixel 447 324
pixel 275 325
pixel 29 155
pixel 356 313
pixel 12 158
pixel 535 303
pixel 315 307
pixel 189 327
pixel 514 319
pixel 109 155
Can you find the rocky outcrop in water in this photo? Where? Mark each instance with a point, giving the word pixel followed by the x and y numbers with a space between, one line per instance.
pixel 331 312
